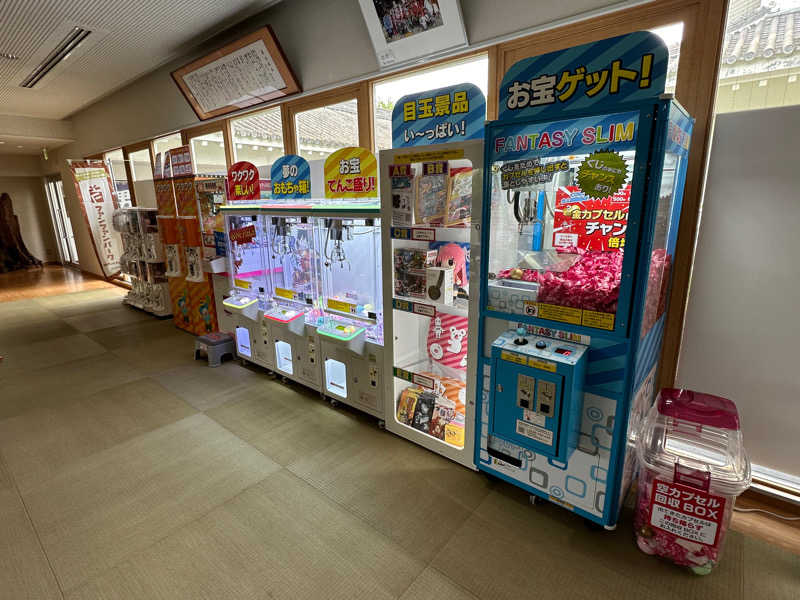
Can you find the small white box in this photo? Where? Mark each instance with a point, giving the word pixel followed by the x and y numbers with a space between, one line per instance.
pixel 439 288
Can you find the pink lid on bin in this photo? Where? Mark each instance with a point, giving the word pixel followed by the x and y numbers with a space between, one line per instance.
pixel 703 409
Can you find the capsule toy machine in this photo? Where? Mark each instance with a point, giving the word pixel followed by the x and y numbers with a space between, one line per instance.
pixel 290 322
pixel 585 170
pixel 348 236
pixel 431 195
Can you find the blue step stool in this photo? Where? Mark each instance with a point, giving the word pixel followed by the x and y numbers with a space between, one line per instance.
pixel 215 346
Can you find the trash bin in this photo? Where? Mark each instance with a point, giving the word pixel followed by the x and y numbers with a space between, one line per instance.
pixel 692 466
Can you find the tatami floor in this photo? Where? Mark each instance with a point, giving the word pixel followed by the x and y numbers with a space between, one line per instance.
pixel 128 470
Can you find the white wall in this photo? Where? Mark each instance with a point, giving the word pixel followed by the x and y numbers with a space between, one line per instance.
pixel 742 323
pixel 326 42
pixel 30 205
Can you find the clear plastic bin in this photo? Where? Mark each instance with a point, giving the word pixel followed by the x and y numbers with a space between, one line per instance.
pixel 692 466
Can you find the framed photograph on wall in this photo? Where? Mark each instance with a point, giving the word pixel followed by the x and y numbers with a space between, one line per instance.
pixel 402 30
pixel 244 73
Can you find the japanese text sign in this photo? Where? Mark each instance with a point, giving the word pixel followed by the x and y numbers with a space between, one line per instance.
pixel 98 202
pixel 613 132
pixel 687 512
pixel 243 182
pixel 180 160
pixel 588 223
pixel 447 114
pixel 528 172
pixel 627 68
pixel 243 235
pixel 351 173
pixel 291 177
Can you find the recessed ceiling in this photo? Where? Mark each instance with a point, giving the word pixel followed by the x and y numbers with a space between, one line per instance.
pixel 131 39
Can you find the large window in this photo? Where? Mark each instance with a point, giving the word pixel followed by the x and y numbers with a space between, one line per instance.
pixel 162 144
pixel 760 65
pixel 320 131
pixel 208 153
pixel 141 171
pixel 258 138
pixel 117 161
pixel 387 92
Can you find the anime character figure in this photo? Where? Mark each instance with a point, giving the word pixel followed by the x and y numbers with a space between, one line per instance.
pixel 206 314
pixel 455 255
pixel 183 304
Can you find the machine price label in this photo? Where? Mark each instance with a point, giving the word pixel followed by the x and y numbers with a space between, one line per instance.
pixel 426 310
pixel 564 314
pixel 512 357
pixel 539 434
pixel 423 380
pixel 284 293
pixel 544 365
pixel 559 334
pixel 341 306
pixel 241 283
pixel 417 234
pixel 598 320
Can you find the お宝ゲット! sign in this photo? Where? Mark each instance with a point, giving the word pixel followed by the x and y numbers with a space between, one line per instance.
pixel 351 173
pixel 291 177
pixel 448 114
pixel 243 182
pixel 626 68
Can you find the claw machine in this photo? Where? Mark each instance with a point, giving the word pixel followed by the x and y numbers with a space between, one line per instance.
pixel 432 197
pixel 585 170
pixel 348 236
pixel 290 322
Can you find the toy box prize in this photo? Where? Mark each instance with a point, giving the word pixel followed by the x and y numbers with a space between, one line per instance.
pixel 588 158
pixel 692 467
pixel 402 182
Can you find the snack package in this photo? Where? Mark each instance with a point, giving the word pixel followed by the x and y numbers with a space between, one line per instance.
pixel 443 413
pixel 424 411
pixel 406 405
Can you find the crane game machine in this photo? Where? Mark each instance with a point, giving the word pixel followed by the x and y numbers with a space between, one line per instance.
pixel 431 190
pixel 349 247
pixel 587 163
pixel 250 277
pixel 289 323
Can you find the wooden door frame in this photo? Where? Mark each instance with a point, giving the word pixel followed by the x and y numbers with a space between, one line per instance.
pixel 698 68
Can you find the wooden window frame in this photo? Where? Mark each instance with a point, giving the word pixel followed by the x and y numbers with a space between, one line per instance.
pixel 212 127
pixel 126 152
pixel 360 92
pixel 696 86
pixel 229 141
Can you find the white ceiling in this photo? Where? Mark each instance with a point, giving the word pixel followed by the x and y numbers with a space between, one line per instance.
pixel 133 37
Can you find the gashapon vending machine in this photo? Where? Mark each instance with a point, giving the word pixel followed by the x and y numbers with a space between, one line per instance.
pixel 348 237
pixel 585 171
pixel 432 197
pixel 290 322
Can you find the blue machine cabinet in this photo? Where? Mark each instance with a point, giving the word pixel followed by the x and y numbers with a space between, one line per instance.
pixel 585 173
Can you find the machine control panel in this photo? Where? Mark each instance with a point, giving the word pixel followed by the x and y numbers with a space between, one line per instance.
pixel 537 392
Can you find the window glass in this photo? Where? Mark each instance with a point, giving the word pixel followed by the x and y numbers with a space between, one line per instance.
pixel 208 153
pixel 168 142
pixel 323 130
pixel 258 138
pixel 760 63
pixel 117 160
pixel 142 173
pixel 672 35
pixel 389 91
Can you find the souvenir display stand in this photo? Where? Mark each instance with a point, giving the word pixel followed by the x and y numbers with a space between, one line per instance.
pixel 585 170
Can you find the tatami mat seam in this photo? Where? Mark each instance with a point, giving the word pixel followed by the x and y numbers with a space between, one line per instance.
pixel 33 526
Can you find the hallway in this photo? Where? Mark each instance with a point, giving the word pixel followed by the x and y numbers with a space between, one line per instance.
pixel 128 470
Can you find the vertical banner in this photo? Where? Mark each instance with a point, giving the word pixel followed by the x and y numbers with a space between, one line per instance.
pixel 98 202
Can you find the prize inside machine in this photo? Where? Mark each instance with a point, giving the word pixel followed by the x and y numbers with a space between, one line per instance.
pixel 564 293
pixel 143 259
pixel 433 304
pixel 250 285
pixel 290 320
pixel 351 327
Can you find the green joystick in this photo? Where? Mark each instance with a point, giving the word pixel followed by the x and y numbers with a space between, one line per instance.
pixel 520 339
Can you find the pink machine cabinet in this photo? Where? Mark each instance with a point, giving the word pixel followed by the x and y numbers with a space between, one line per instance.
pixel 692 468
